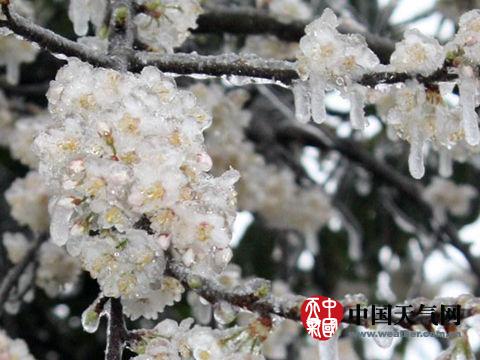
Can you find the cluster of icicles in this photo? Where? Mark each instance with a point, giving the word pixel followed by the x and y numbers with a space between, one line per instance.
pixel 414 112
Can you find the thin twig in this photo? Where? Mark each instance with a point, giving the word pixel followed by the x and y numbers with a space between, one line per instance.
pixel 11 279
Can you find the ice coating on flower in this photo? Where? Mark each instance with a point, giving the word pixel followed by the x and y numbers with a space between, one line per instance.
pixel 263 188
pixel 164 25
pixel 81 12
pixel 173 341
pixel 22 135
pixel 16 245
pixel 445 194
pixel 127 169
pixel 467 38
pixel 13 349
pixel 170 291
pixel 28 200
pixel 417 54
pixel 327 52
pixel 330 59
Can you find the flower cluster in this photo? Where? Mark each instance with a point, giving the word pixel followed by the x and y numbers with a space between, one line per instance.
pixel 444 195
pixel 13 349
pixel 28 200
pixel 13 49
pixel 127 170
pixel 331 59
pixel 170 340
pixel 56 272
pixel 417 113
pixel 164 25
pixel 263 188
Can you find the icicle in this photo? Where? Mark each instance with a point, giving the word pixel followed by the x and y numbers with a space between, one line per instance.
pixel 317 93
pixel 302 101
pixel 328 350
pixel 91 316
pixel 445 162
pixel 467 101
pixel 78 13
pixel 357 98
pixel 415 158
pixel 13 72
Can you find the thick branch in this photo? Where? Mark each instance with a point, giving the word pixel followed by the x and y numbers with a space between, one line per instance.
pixel 51 41
pixel 11 279
pixel 219 65
pixel 251 22
pixel 187 64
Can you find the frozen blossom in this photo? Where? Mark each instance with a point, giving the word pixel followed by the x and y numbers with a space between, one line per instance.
pixel 467 39
pixel 127 170
pixel 263 188
pixel 13 349
pixel 173 341
pixel 28 200
pixel 330 59
pixel 22 135
pixel 164 25
pixel 16 245
pixel 448 196
pixel 417 54
pixel 82 12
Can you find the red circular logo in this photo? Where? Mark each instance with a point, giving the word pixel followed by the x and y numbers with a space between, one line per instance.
pixel 321 316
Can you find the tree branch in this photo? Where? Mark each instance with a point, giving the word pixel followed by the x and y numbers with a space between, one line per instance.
pixel 11 279
pixel 190 64
pixel 288 308
pixel 246 21
pixel 117 333
pixel 51 41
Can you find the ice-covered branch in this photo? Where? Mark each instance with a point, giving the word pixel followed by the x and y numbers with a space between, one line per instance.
pixel 11 278
pixel 121 31
pixel 266 304
pixel 117 333
pixel 187 64
pixel 51 41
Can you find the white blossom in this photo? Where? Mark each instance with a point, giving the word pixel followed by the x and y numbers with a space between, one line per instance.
pixel 467 39
pixel 174 341
pixel 22 135
pixel 127 170
pixel 446 195
pixel 57 271
pixel 164 25
pixel 13 349
pixel 16 245
pixel 417 54
pixel 332 59
pixel 28 200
